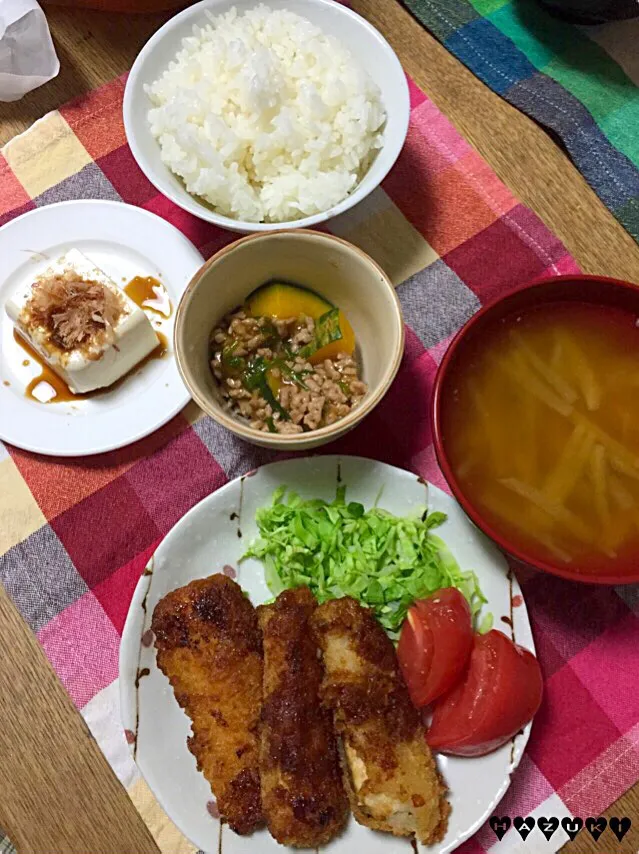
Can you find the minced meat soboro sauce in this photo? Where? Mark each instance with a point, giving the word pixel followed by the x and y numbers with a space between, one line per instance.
pixel 542 432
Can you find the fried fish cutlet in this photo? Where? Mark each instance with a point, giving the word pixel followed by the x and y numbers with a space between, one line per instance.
pixel 389 773
pixel 303 799
pixel 209 646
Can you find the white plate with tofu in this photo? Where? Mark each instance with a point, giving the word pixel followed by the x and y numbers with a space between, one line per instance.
pixel 211 538
pixel 87 304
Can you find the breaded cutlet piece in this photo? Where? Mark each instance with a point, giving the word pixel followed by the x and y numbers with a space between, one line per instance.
pixel 390 776
pixel 209 646
pixel 303 798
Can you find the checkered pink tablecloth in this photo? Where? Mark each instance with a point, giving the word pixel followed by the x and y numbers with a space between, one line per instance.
pixel 76 534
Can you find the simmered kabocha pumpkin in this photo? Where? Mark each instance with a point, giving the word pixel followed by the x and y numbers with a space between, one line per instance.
pixel 280 300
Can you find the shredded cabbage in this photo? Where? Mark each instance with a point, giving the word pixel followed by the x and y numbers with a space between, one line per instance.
pixel 340 549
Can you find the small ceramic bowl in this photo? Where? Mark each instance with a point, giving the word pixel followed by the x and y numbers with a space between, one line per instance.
pixel 369 48
pixel 336 270
pixel 595 290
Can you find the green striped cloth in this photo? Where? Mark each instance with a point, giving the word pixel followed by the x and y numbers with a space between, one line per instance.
pixel 581 83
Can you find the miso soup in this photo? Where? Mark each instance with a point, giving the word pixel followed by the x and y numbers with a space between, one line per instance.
pixel 541 426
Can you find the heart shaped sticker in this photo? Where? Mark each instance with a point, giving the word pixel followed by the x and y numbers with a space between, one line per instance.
pixel 548 825
pixel 596 826
pixel 499 826
pixel 572 826
pixel 620 826
pixel 524 826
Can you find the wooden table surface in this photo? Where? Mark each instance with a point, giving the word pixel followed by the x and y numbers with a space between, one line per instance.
pixel 58 794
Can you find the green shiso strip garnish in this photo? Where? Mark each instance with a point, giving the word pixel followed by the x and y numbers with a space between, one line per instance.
pixel 386 562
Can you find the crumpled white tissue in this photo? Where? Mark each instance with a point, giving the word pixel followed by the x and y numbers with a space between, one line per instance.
pixel 27 56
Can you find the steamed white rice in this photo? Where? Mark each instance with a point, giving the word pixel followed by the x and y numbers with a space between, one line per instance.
pixel 265 117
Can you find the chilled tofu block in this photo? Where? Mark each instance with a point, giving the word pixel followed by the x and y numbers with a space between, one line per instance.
pixel 82 324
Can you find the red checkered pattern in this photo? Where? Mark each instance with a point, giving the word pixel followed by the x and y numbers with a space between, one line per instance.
pixel 452 236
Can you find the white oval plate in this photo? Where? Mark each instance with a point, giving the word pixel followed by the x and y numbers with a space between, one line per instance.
pixel 206 540
pixel 124 241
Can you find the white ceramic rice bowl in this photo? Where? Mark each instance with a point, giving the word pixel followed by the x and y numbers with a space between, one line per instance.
pixel 369 49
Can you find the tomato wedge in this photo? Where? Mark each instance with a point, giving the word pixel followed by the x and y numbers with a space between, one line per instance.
pixel 434 644
pixel 499 693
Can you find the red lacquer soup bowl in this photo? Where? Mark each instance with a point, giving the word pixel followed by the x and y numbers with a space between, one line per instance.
pixel 609 297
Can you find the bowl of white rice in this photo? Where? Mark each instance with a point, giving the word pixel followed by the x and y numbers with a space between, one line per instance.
pixel 260 116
